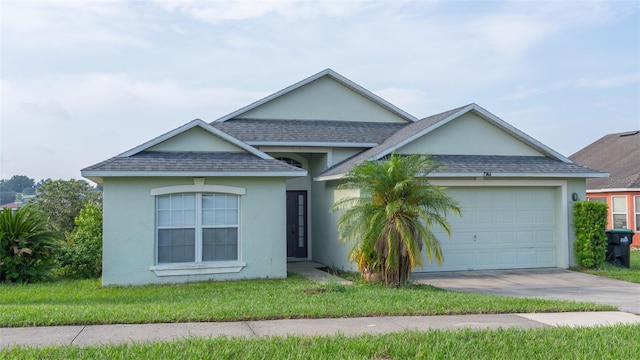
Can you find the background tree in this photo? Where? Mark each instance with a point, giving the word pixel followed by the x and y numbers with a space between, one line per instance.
pixel 394 215
pixel 61 201
pixel 25 245
pixel 81 254
pixel 17 184
pixel 7 197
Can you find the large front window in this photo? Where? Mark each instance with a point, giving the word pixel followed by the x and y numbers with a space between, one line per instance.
pixel 197 227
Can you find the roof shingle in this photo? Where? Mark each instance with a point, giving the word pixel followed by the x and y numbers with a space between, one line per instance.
pixel 619 155
pixel 296 131
pixel 158 161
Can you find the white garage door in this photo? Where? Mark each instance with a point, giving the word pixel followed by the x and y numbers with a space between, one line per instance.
pixel 501 228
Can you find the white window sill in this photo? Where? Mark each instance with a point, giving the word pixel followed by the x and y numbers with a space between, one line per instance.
pixel 218 267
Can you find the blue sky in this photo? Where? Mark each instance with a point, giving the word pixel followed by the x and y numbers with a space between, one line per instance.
pixel 84 81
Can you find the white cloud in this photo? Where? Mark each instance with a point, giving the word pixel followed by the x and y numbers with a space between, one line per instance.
pixel 101 91
pixel 511 34
pixel 216 12
pixel 523 92
pixel 70 23
pixel 609 82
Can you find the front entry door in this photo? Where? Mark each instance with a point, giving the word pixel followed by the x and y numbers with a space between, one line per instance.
pixel 297 224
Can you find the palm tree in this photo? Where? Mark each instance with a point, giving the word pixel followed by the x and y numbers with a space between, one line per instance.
pixel 25 245
pixel 392 219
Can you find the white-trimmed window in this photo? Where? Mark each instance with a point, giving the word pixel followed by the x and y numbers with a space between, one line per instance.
pixel 197 227
pixel 637 207
pixel 619 212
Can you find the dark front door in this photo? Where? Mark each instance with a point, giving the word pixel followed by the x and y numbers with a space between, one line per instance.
pixel 297 224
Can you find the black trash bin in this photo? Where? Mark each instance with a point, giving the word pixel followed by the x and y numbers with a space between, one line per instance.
pixel 619 246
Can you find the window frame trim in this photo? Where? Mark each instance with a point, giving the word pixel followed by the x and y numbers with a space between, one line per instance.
pixel 626 211
pixel 198 267
pixel 636 211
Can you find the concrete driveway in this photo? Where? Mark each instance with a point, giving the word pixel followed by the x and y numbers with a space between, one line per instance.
pixel 557 284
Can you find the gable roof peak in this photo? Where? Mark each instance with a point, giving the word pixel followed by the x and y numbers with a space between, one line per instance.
pixel 333 75
pixel 188 126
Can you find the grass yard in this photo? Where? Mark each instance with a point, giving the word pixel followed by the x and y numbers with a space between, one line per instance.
pixel 616 342
pixel 632 274
pixel 86 302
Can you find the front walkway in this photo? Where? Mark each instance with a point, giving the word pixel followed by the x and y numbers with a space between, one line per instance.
pixel 309 269
pixel 138 333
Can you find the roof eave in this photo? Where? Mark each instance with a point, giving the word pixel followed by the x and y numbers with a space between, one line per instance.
pixel 103 174
pixel 485 175
pixel 613 190
pixel 311 144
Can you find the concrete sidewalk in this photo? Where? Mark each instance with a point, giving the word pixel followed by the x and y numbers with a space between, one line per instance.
pixel 118 334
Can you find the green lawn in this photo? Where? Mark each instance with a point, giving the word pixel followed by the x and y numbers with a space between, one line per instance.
pixel 86 302
pixel 632 274
pixel 616 342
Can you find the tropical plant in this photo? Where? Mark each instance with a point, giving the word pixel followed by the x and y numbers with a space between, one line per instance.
pixel 25 245
pixel 81 254
pixel 391 221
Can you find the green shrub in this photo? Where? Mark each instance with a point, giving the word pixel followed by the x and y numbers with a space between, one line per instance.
pixel 80 255
pixel 590 222
pixel 25 246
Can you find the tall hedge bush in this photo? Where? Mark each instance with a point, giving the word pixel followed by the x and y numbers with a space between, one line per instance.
pixel 590 222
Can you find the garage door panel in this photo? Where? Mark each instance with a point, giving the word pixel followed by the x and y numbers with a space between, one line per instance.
pixel 505 217
pixel 525 217
pixel 501 228
pixel 545 216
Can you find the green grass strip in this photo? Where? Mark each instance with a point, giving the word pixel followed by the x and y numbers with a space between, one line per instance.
pixel 86 302
pixel 616 342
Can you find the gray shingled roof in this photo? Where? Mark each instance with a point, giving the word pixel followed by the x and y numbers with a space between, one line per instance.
pixel 619 155
pixel 393 140
pixel 478 165
pixel 295 131
pixel 158 161
pixel 496 164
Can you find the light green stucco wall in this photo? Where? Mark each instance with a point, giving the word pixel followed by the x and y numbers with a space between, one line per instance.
pixel 468 135
pixel 323 99
pixel 341 154
pixel 195 139
pixel 327 248
pixel 129 229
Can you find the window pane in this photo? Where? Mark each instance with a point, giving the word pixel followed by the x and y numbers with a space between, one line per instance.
pixel 207 201
pixel 219 201
pixel 219 244
pixel 619 204
pixel 637 204
pixel 176 245
pixel 619 221
pixel 164 217
pixel 232 202
pixel 164 202
pixel 219 210
pixel 637 222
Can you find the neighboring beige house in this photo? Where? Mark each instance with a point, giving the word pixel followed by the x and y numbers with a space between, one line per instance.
pixel 619 155
pixel 241 196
